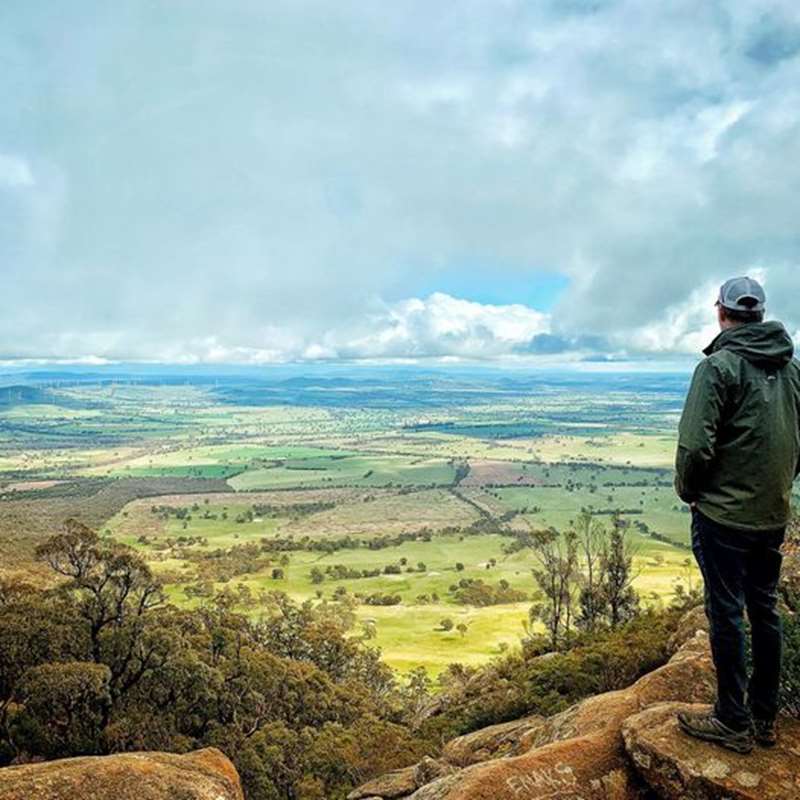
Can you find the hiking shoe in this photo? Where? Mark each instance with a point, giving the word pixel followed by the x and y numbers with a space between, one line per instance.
pixel 765 732
pixel 710 729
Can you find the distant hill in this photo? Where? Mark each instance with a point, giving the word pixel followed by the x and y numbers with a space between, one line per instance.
pixel 25 395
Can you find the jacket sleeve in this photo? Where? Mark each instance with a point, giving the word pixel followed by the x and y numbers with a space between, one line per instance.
pixel 797 468
pixel 697 433
pixel 795 372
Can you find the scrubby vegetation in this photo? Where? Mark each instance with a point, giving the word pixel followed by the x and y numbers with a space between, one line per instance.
pixel 790 600
pixel 532 682
pixel 474 592
pixel 103 664
pixel 790 688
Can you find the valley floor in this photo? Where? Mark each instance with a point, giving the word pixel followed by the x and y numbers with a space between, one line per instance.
pixel 391 493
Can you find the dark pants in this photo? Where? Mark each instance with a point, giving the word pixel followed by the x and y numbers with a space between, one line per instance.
pixel 741 570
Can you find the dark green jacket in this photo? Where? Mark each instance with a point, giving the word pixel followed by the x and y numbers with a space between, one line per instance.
pixel 739 437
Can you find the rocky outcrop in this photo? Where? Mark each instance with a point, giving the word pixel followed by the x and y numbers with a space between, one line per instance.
pixel 398 783
pixel 622 745
pixel 687 676
pixel 576 755
pixel 202 775
pixel 680 768
pixel 491 742
pixel 690 623
pixel 583 768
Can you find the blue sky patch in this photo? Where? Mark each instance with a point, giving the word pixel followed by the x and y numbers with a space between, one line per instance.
pixel 493 285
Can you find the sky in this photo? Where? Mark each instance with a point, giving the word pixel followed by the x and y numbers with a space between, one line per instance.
pixel 270 181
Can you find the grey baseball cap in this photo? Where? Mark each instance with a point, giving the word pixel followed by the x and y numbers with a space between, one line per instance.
pixel 742 294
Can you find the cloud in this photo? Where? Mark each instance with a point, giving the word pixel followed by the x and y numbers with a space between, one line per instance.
pixel 439 326
pixel 684 327
pixel 15 172
pixel 774 39
pixel 548 344
pixel 269 181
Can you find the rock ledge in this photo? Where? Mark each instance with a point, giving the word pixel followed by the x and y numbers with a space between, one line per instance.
pixel 202 775
pixel 677 766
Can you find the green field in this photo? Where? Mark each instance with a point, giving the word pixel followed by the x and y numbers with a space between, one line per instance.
pixel 409 634
pixel 256 484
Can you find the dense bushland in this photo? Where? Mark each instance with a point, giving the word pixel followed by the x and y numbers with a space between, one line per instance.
pixel 296 698
pixel 103 664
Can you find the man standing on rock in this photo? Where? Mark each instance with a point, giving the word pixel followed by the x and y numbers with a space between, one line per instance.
pixel 738 456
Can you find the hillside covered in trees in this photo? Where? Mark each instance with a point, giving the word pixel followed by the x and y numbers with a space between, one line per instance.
pixel 102 663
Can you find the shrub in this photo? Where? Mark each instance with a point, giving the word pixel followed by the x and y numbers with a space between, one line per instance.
pixel 790 680
pixel 62 709
pixel 518 684
pixel 790 594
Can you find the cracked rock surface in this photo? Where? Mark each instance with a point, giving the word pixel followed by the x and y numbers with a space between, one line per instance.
pixel 678 767
pixel 201 775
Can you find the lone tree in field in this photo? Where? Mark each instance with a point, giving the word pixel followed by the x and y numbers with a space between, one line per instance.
pixel 369 630
pixel 317 575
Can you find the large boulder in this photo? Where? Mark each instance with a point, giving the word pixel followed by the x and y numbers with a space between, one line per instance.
pixel 690 623
pixel 491 742
pixel 678 767
pixel 583 768
pixel 202 775
pixel 398 783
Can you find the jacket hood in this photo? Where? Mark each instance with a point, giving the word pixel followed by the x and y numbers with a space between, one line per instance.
pixel 765 344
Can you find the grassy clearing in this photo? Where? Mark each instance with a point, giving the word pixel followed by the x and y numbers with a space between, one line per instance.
pixel 356 512
pixel 347 470
pixel 634 449
pixel 426 645
pixel 558 507
pixel 409 634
